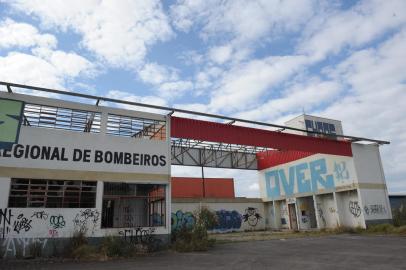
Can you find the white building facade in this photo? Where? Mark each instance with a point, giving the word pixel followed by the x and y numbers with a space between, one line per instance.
pixel 83 168
pixel 309 191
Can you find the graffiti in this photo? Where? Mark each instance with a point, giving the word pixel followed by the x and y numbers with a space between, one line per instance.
pixel 228 220
pixel 321 214
pixel 181 220
pixel 40 215
pixel 57 222
pixel 305 219
pixel 332 209
pixel 53 233
pixel 86 218
pixel 354 208
pixel 5 221
pixel 340 171
pixel 138 235
pixel 251 216
pixel 375 209
pixel 289 180
pixel 22 224
pixel 13 247
pixel 158 219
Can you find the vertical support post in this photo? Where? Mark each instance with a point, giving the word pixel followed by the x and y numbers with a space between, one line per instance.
pixel 168 197
pixel 204 187
pixel 338 210
pixel 316 210
pixel 103 122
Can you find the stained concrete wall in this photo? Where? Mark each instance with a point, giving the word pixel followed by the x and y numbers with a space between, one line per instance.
pixel 238 214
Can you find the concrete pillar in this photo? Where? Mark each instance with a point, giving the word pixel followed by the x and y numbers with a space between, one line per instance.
pixel 99 195
pixel 316 210
pixel 5 183
pixel 103 122
pixel 338 210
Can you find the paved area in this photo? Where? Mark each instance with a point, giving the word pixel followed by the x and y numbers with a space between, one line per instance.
pixel 331 252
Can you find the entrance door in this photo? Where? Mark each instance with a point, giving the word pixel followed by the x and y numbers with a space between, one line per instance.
pixel 292 216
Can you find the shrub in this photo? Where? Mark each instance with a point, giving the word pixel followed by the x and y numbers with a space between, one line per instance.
pixel 85 252
pixel 380 228
pixel 399 216
pixel 195 238
pixel 116 247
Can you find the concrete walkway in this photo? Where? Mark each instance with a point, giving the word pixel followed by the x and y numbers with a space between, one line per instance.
pixel 331 252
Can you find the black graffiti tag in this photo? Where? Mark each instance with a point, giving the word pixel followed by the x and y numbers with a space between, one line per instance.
pixel 40 215
pixel 57 222
pixel 84 218
pixel 22 223
pixel 138 235
pixel 354 208
pixel 251 216
pixel 5 220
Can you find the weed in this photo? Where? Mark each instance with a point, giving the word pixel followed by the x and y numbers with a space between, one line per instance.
pixel 195 238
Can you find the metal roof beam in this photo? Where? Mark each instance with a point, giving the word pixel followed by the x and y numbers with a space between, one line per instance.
pixel 49 90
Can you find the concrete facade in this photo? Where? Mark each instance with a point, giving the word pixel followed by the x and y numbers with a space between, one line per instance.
pixel 102 178
pixel 237 214
pixel 82 162
pixel 327 191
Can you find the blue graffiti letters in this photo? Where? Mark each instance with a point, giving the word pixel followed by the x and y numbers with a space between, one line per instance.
pixel 180 220
pixel 295 179
pixel 228 220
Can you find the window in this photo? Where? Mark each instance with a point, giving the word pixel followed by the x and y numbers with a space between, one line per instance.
pixel 128 205
pixel 52 193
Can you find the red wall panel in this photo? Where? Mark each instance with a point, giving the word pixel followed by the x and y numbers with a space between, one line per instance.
pixel 217 132
pixel 186 187
pixel 273 158
pixel 219 188
pixel 190 187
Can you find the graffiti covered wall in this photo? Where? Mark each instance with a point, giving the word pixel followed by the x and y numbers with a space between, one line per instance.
pixel 307 175
pixel 237 216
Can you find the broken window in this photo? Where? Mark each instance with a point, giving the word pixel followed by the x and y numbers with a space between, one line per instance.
pixel 128 205
pixel 52 193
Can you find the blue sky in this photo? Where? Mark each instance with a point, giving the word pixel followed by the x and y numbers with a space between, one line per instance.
pixel 261 60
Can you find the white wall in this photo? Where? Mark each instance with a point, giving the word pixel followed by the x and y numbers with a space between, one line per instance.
pixel 68 141
pixel 350 209
pixel 238 216
pixel 375 204
pixel 326 211
pixel 367 163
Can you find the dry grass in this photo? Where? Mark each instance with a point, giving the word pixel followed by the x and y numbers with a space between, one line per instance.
pixel 269 235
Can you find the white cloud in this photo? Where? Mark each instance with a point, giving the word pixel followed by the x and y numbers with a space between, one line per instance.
pixel 220 54
pixel 165 79
pixel 329 32
pixel 176 88
pixel 375 103
pixel 244 21
pixel 122 95
pixel 19 35
pixel 156 74
pixel 303 95
pixel 33 70
pixel 243 85
pixel 69 64
pixel 119 32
